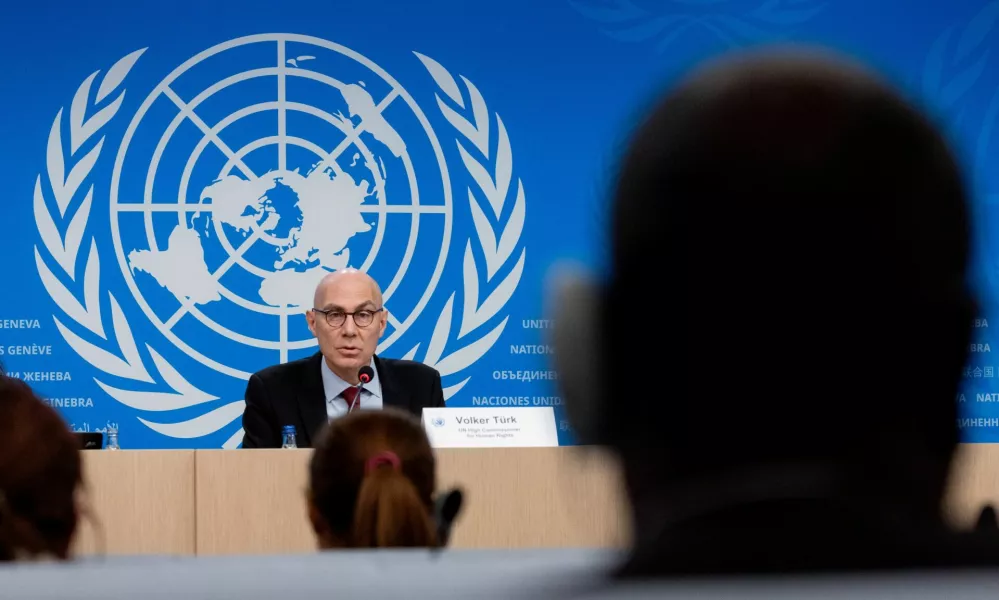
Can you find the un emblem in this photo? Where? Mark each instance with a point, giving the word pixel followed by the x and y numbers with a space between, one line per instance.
pixel 245 175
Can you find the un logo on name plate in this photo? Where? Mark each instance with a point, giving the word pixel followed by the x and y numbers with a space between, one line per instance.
pixel 245 175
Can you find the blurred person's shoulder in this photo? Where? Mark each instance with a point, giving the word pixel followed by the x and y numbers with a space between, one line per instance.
pixel 974 548
pixel 940 551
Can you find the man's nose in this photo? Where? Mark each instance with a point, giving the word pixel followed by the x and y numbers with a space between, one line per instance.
pixel 349 328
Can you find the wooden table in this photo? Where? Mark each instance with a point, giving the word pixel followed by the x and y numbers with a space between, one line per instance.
pixel 139 502
pixel 253 501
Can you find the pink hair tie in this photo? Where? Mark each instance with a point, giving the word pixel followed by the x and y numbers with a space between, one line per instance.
pixel 382 458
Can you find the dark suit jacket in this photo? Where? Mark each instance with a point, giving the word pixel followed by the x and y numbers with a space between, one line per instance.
pixel 292 394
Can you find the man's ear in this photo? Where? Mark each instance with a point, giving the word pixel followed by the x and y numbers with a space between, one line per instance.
pixel 310 319
pixel 576 299
pixel 383 322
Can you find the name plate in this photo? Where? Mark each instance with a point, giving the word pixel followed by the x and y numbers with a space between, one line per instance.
pixel 491 427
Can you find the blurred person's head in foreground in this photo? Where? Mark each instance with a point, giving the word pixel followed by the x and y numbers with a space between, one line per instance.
pixel 372 484
pixel 987 522
pixel 785 315
pixel 40 475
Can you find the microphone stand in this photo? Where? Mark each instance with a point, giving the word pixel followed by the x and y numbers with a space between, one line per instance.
pixel 357 397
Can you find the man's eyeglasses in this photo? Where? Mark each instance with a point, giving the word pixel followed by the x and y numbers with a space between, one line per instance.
pixel 336 318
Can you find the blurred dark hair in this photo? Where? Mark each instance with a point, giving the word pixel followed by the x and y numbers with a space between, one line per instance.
pixel 987 522
pixel 40 472
pixel 808 228
pixel 383 506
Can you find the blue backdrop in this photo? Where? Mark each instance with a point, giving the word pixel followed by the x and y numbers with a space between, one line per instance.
pixel 178 174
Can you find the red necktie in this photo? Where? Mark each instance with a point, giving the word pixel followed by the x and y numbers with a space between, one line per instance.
pixel 350 395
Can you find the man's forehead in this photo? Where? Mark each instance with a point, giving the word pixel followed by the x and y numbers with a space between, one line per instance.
pixel 349 305
pixel 347 294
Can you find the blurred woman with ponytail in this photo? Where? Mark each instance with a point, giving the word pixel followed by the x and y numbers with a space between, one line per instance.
pixel 40 473
pixel 372 480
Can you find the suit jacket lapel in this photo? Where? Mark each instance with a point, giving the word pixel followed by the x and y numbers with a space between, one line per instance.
pixel 393 394
pixel 312 398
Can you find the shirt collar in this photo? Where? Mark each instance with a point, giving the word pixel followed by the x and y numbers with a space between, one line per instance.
pixel 334 385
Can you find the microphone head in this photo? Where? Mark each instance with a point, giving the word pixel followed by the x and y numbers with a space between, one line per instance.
pixel 446 508
pixel 365 374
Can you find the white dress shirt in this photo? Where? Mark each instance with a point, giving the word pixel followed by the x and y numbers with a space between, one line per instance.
pixel 333 386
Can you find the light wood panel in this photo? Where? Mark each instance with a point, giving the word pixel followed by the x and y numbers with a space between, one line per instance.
pixel 534 498
pixel 974 483
pixel 142 501
pixel 252 501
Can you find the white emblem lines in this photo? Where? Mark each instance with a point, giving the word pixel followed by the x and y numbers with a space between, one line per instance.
pixel 233 199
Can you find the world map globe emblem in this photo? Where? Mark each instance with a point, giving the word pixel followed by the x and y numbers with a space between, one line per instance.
pixel 255 168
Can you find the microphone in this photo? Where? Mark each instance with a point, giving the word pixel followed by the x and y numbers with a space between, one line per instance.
pixel 446 508
pixel 364 375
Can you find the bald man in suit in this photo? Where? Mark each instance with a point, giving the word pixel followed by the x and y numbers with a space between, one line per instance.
pixel 348 318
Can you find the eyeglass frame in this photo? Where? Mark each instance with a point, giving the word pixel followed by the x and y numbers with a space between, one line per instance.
pixel 326 316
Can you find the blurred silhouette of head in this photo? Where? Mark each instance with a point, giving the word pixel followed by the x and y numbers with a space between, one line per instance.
pixel 40 474
pixel 793 237
pixel 372 480
pixel 987 522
